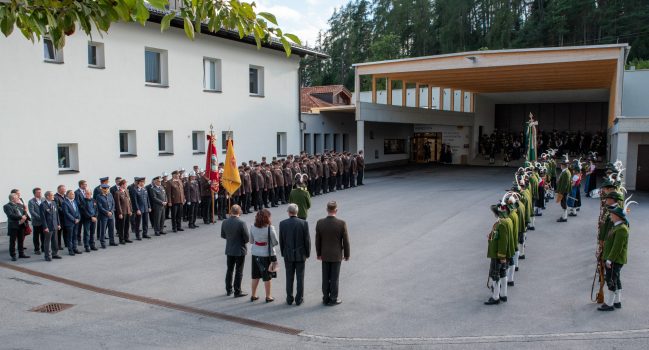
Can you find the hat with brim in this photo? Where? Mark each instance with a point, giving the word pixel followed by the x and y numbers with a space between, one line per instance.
pixel 103 179
pixel 614 195
pixel 105 186
pixel 607 184
pixel 618 211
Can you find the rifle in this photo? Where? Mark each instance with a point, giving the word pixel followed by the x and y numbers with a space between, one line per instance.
pixel 599 272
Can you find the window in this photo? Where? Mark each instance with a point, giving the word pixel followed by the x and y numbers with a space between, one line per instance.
pixel 165 142
pixel 198 142
pixel 345 143
pixel 336 142
pixel 211 74
pixel 327 141
pixel 256 81
pixel 307 143
pixel 224 139
pixel 68 157
pixel 281 144
pixel 155 67
pixel 51 54
pixel 127 144
pixel 95 55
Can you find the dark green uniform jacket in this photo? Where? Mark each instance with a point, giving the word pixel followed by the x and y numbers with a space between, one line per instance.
pixel 616 243
pixel 564 182
pixel 303 200
pixel 498 240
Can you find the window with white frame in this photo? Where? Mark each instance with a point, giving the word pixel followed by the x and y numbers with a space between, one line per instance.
pixel 127 143
pixel 165 142
pixel 281 144
pixel 50 53
pixel 95 55
pixel 155 67
pixel 224 139
pixel 68 157
pixel 211 74
pixel 198 142
pixel 256 76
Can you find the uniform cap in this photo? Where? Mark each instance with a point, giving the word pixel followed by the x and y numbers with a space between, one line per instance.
pixel 105 186
pixel 105 178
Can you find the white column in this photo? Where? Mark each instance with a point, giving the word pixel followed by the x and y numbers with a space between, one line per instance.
pixel 360 135
pixel 622 146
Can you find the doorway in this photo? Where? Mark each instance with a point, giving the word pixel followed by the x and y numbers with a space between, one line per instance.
pixel 426 147
pixel 642 174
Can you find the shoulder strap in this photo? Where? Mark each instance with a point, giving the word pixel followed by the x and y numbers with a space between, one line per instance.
pixel 270 242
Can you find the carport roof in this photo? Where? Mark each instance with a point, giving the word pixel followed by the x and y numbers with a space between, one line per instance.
pixel 563 68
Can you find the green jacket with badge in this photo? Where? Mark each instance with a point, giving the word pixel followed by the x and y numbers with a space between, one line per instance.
pixel 564 182
pixel 498 240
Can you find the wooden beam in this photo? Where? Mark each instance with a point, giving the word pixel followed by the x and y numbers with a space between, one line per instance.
pixel 417 95
pixel 452 100
pixel 471 102
pixel 461 100
pixel 373 88
pixel 430 97
pixel 440 102
pixel 388 86
pixel 404 92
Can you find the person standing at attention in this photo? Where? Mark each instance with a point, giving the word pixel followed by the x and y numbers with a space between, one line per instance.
pixel 332 246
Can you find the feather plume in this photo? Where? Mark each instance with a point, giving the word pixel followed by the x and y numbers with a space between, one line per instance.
pixel 627 203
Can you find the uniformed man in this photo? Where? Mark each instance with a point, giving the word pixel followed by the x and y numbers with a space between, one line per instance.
pixel 498 249
pixel 165 179
pixel 143 209
pixel 106 209
pixel 192 198
pixel 270 186
pixel 246 183
pixel 123 212
pixel 615 255
pixel 288 180
pixel 279 184
pixel 175 200
pixel 158 196
pixel 360 162
pixel 97 191
pixel 262 191
pixel 563 189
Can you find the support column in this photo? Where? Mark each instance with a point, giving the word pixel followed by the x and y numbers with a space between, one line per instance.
pixel 462 101
pixel 373 88
pixel 622 147
pixel 452 106
pixel 430 97
pixel 388 85
pixel 417 101
pixel 360 135
pixel 441 99
pixel 404 93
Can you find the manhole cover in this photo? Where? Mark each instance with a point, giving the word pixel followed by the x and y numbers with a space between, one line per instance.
pixel 51 308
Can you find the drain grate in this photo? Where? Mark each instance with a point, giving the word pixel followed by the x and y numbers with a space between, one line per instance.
pixel 51 308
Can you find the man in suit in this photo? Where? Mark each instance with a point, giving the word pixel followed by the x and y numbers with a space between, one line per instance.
pixel 34 206
pixel 235 232
pixel 142 208
pixel 360 164
pixel 332 246
pixel 17 219
pixel 192 198
pixel 106 208
pixel 59 198
pixel 115 187
pixel 88 208
pixel 71 220
pixel 51 224
pixel 175 200
pixel 295 245
pixel 247 189
pixel 79 197
pixel 123 212
pixel 158 197
pixel 206 200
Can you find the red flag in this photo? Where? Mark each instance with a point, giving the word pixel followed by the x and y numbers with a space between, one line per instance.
pixel 211 166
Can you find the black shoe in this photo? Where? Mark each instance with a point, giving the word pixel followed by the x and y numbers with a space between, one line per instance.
pixel 71 253
pixel 146 236
pixel 112 244
pixel 516 268
pixel 23 256
pixel 522 257
pixel 325 301
pixel 240 294
pixel 253 299
pixel 617 305
pixel 195 226
pixel 37 252
pixel 174 230
pixel 128 241
pixel 48 259
pixel 157 234
pixel 122 242
pixel 270 300
pixel 228 292
pixel 510 283
pixel 56 257
pixel 539 214
pixel 192 227
pixel 103 246
pixel 93 248
pixel 289 301
pixel 13 258
pixel 163 233
pixel 605 307
pixel 562 220
pixel 503 299
pixel 532 228
pixel 299 302
pixel 138 238
pixel 180 229
pixel 335 302
pixel 572 214
pixel 491 301
pixel 87 250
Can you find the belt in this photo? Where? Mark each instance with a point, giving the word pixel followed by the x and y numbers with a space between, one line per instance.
pixel 261 244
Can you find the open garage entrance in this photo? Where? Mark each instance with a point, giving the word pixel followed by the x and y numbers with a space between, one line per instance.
pixel 574 93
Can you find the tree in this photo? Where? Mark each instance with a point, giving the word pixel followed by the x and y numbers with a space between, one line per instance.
pixel 60 18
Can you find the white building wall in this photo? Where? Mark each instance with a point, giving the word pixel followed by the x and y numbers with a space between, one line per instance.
pixel 375 135
pixel 635 98
pixel 330 124
pixel 44 104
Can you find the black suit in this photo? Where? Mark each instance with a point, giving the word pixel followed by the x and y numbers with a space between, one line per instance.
pixel 15 229
pixel 235 232
pixel 295 245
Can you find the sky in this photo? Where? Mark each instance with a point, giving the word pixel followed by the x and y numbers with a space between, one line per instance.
pixel 303 18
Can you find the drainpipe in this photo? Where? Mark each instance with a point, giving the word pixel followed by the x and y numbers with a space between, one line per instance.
pixel 302 125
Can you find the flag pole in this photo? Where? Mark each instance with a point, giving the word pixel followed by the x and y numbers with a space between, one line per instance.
pixel 211 187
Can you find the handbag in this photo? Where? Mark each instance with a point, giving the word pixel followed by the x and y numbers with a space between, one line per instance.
pixel 274 265
pixel 28 229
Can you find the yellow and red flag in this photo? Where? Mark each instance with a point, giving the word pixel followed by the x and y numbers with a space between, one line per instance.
pixel 211 166
pixel 230 178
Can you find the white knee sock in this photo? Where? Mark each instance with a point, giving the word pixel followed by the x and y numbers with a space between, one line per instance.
pixel 618 296
pixel 521 251
pixel 565 214
pixel 518 253
pixel 503 286
pixel 609 298
pixel 510 273
pixel 533 220
pixel 495 294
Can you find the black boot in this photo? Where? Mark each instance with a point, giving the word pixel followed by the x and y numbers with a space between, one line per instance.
pixel 491 301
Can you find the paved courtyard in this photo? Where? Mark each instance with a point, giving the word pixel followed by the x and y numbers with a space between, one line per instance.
pixel 416 278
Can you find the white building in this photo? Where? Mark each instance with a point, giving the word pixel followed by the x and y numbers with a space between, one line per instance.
pixel 137 102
